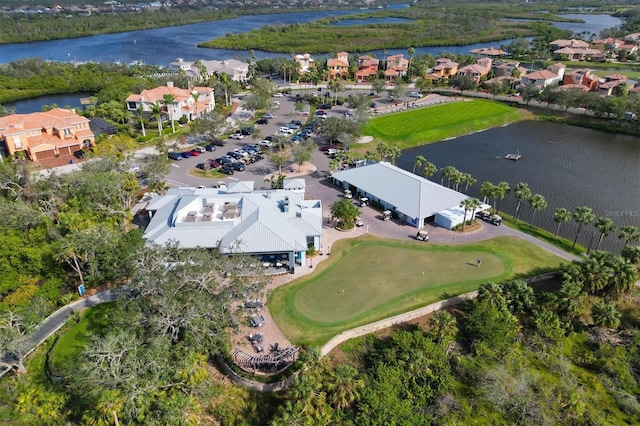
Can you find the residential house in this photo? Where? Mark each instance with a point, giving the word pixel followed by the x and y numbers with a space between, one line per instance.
pixel 444 69
pixel 632 38
pixel 503 79
pixel 190 103
pixel 235 69
pixel 367 67
pixel 582 77
pixel 573 43
pixel 477 70
pixel 488 52
pixel 397 66
pixel 541 79
pixel 612 81
pixel 271 224
pixel 304 62
pixel 507 68
pixel 558 68
pixel 575 50
pixel 58 132
pixel 339 66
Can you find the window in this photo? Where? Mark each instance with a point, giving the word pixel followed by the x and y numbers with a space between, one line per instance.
pixel 17 142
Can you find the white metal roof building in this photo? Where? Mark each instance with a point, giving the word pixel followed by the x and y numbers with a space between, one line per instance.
pixel 278 224
pixel 410 197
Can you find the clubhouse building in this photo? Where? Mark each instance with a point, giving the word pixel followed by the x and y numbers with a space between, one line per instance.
pixel 278 226
pixel 411 198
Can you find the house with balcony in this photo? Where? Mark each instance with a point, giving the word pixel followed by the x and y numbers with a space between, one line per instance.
pixel 367 67
pixel 612 81
pixel 581 77
pixel 235 69
pixel 40 135
pixel 277 226
pixel 488 52
pixel 397 66
pixel 541 79
pixel 477 70
pixel 573 43
pixel 189 103
pixel 445 68
pixel 304 62
pixel 339 66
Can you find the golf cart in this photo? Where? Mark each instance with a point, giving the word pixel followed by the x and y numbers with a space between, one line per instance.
pixel 495 220
pixel 358 222
pixel 386 215
pixel 364 201
pixel 347 194
pixel 422 236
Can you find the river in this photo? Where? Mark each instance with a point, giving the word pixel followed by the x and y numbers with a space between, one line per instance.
pixel 570 166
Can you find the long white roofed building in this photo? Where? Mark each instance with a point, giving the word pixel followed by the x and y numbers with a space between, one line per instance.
pixel 274 224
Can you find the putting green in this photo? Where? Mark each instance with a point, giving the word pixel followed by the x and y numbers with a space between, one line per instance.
pixel 368 279
pixel 387 274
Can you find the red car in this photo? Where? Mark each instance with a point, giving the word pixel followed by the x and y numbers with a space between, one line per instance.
pixel 214 163
pixel 195 152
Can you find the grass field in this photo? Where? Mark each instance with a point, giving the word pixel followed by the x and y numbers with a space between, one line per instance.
pixel 369 278
pixel 430 124
pixel 71 343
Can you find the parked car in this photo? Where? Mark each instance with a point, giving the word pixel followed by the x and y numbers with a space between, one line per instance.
pixel 186 154
pixel 415 95
pixel 200 149
pixel 293 126
pixel 247 130
pixel 214 163
pixel 373 105
pixel 262 121
pixel 296 122
pixel 227 169
pixel 285 130
pixel 265 143
pixel 278 95
pixel 210 147
pixel 236 136
pixel 174 156
pixel 238 166
pixel 217 142
pixel 252 146
pixel 296 139
pixel 79 153
pixel 324 106
pixel 195 152
pixel 225 159
pixel 268 116
pixel 203 166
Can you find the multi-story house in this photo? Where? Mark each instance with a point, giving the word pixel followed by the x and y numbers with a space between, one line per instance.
pixel 338 66
pixel 367 67
pixel 581 78
pixel 190 103
pixel 477 70
pixel 304 62
pixel 445 68
pixel 488 52
pixel 41 135
pixel 235 69
pixel 397 66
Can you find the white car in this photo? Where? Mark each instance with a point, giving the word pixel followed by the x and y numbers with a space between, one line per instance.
pixel 286 130
pixel 265 143
pixel 237 136
pixel 415 95
pixel 278 95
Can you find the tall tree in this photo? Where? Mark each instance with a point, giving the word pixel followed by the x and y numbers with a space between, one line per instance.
pixel 418 163
pixel 486 190
pixel 502 190
pixel 156 112
pixel 560 216
pixel 537 203
pixel 443 326
pixel 583 215
pixel 141 117
pixel 604 225
pixel 466 205
pixel 630 234
pixel 168 101
pixel 429 169
pixel 195 95
pixel 522 193
pixel 411 51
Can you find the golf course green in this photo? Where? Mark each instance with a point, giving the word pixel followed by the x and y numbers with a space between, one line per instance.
pixel 429 124
pixel 368 279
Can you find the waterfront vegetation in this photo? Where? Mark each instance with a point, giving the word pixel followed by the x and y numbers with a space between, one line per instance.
pixel 424 125
pixel 400 276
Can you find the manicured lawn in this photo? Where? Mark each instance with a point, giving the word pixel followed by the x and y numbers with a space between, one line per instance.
pixel 430 124
pixel 71 343
pixel 367 279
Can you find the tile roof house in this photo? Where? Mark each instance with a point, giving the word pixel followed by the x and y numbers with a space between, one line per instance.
pixel 304 62
pixel 272 223
pixel 607 88
pixel 367 67
pixel 412 198
pixel 445 68
pixel 184 103
pixel 488 52
pixel 58 132
pixel 506 68
pixel 579 54
pixel 477 70
pixel 338 66
pixel 541 79
pixel 581 77
pixel 397 66
pixel 573 43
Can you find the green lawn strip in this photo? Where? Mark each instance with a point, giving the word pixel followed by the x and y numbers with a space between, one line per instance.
pixel 72 342
pixel 312 310
pixel 423 125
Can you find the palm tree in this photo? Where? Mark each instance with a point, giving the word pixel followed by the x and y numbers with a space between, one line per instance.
pixel 156 112
pixel 418 163
pixel 537 203
pixel 411 51
pixel 630 234
pixel 486 190
pixel 168 100
pixel 605 314
pixel 561 215
pixel 445 173
pixel 336 86
pixel 429 170
pixel 443 325
pixel 521 192
pixel 468 181
pixel 475 204
pixel 140 114
pixel 195 95
pixel 582 215
pixel 344 387
pixel 393 153
pixel 382 149
pixel 466 205
pixel 502 190
pixel 604 226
